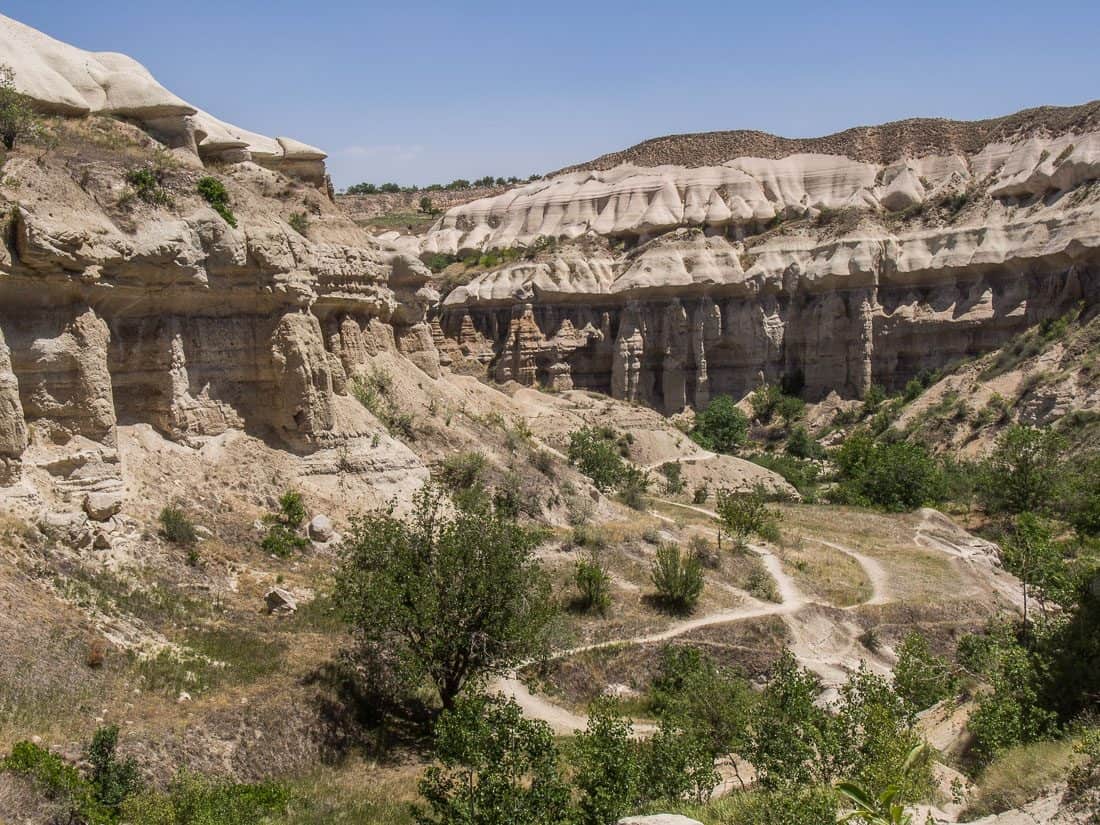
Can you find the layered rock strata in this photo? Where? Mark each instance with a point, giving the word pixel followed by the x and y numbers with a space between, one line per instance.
pixel 674 283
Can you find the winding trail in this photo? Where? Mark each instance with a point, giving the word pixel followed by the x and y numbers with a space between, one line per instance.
pixel 828 647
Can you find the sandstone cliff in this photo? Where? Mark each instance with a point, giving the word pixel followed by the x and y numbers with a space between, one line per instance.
pixel 865 265
pixel 118 311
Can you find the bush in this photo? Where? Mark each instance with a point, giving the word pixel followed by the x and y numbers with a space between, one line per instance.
pixel 461 471
pixel 763 402
pixel 598 457
pixel 496 767
pixel 721 427
pixel 608 770
pixel 896 477
pixel 18 119
pixel 176 527
pixel 761 585
pixel 744 514
pixel 700 494
pixel 282 537
pixel 192 799
pixel 593 586
pixel 801 444
pixel 113 779
pixel 674 482
pixel 147 185
pixel 678 578
pixel 790 409
pixel 215 194
pixel 800 473
pixel 1022 473
pixel 872 399
pixel 633 487
pixel 299 222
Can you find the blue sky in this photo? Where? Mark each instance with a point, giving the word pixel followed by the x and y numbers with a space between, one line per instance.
pixel 427 91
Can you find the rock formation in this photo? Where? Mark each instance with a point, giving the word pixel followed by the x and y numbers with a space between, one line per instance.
pixel 673 283
pixel 62 79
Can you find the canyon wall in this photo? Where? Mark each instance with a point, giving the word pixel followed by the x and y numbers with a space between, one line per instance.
pixel 669 284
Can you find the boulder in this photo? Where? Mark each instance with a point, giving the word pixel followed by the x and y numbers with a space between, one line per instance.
pixel 320 529
pixel 280 601
pixel 101 506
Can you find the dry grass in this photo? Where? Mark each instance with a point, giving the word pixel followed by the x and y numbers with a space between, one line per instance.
pixel 1019 776
pixel 825 574
pixel 357 794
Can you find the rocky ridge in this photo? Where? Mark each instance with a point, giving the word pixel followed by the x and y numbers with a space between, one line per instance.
pixel 671 283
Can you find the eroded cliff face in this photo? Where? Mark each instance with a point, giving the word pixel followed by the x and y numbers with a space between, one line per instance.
pixel 671 284
pixel 114 312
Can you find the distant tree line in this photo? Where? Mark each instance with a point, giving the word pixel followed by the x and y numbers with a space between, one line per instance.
pixel 454 186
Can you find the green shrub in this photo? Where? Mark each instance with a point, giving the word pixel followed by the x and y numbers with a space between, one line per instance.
pixel 176 527
pixel 192 799
pixel 801 444
pixel 700 494
pixel 898 476
pixel 800 473
pixel 59 782
pixel 721 427
pixel 598 457
pixel 146 183
pixel 299 222
pixel 633 487
pixel 593 586
pixel 18 119
pixel 790 409
pixel 743 514
pixel 1022 473
pixel 761 585
pixel 873 399
pixel 461 471
pixel 113 779
pixel 678 578
pixel 214 193
pixel 674 482
pixel 282 537
pixel 763 402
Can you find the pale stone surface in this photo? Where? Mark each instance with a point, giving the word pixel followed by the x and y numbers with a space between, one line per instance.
pixel 279 600
pixel 659 819
pixel 320 529
pixel 64 79
pixel 101 506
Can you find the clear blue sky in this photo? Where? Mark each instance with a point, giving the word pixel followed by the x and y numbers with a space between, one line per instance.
pixel 419 92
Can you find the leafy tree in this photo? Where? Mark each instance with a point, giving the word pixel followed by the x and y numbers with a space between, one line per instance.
pixel 873 399
pixel 721 426
pixel 113 779
pixel 712 704
pixel 455 596
pixel 897 477
pixel 598 457
pixel 763 402
pixel 496 768
pixel 1013 713
pixel 1022 473
pixel 743 514
pixel 678 578
pixel 677 765
pixel 801 444
pixel 1029 553
pixel 790 408
pixel 920 677
pixel 426 206
pixel 608 770
pixel 18 120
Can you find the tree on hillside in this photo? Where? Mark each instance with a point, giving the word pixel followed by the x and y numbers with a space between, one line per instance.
pixel 453 596
pixel 721 426
pixel 1022 473
pixel 18 120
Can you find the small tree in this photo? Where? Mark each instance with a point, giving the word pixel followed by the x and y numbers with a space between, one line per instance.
pixel 920 677
pixel 608 770
pixel 1030 554
pixel 497 768
pixel 598 457
pixel 18 120
pixel 743 514
pixel 593 585
pixel 1022 473
pixel 721 426
pixel 426 206
pixel 456 596
pixel 113 779
pixel 678 578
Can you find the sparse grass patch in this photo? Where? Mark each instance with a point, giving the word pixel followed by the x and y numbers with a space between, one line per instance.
pixel 214 193
pixel 211 657
pixel 1020 775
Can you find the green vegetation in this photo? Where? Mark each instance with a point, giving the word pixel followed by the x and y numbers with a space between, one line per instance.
pixel 299 222
pixel 462 471
pixel 214 193
pixel 452 597
pixel 18 119
pixel 802 474
pixel 283 536
pixel 375 392
pixel 192 799
pixel 593 586
pixel 1023 472
pixel 176 527
pixel 721 427
pixel 920 677
pixel 147 183
pixel 454 186
pixel 678 578
pixel 743 514
pixel 598 453
pixel 897 476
